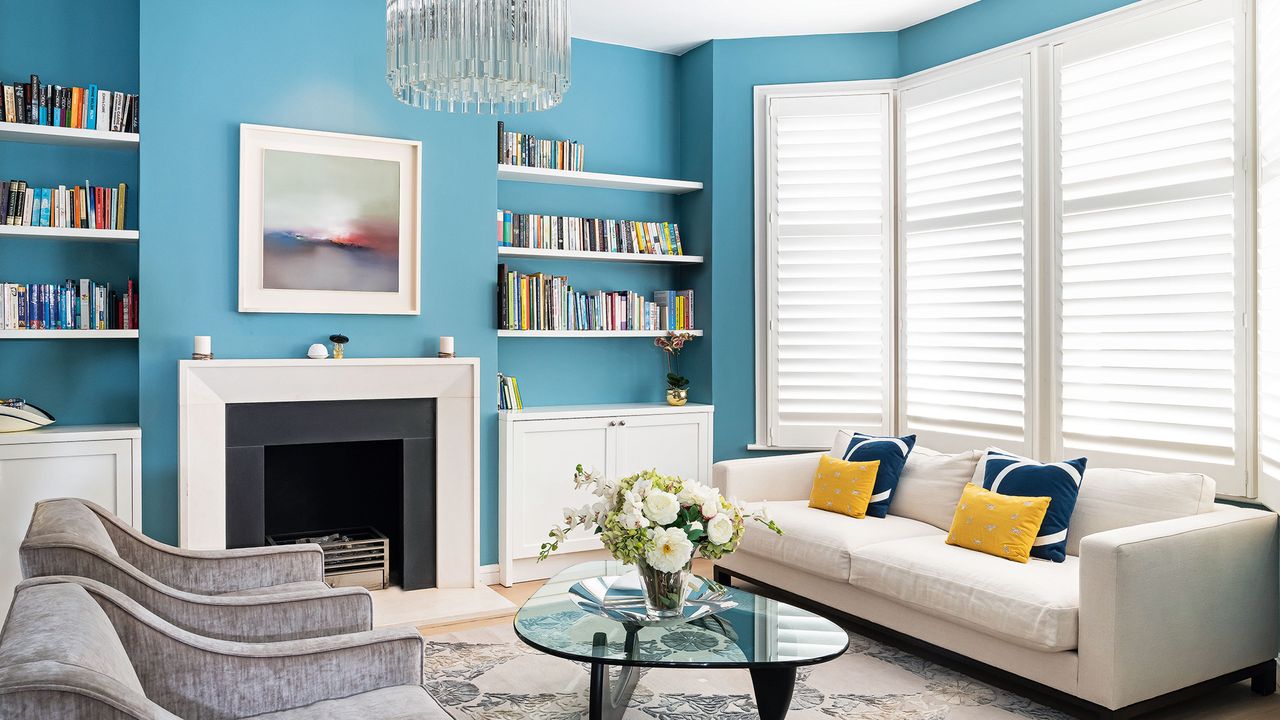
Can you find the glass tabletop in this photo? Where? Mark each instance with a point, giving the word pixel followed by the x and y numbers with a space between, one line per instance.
pixel 756 632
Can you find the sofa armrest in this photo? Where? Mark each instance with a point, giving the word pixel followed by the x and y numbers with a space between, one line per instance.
pixel 780 477
pixel 195 676
pixel 1168 604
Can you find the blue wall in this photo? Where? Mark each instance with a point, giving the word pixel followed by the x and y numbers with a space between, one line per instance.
pixel 81 381
pixel 988 24
pixel 619 107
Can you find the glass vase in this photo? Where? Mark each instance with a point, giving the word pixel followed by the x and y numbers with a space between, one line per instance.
pixel 664 592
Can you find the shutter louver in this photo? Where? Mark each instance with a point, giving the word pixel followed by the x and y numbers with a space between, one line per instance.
pixel 829 248
pixel 966 211
pixel 1268 83
pixel 1148 301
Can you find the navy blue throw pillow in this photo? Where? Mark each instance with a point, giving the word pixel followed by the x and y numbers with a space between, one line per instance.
pixel 1009 474
pixel 892 453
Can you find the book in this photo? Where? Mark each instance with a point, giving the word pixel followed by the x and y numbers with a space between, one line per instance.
pixel 9 108
pixel 81 304
pixel 20 102
pixel 91 107
pixel 117 112
pixel 548 302
pixel 554 232
pixel 521 149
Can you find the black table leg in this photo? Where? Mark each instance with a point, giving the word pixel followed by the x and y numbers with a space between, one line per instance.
pixel 773 687
pixel 608 701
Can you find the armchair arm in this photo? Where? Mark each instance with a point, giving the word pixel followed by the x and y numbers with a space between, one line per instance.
pixel 195 676
pixel 292 615
pixel 1168 604
pixel 50 689
pixel 780 477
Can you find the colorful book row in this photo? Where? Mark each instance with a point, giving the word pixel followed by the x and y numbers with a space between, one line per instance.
pixel 549 302
pixel 31 103
pixel 557 232
pixel 509 393
pixel 90 207
pixel 73 305
pixel 528 151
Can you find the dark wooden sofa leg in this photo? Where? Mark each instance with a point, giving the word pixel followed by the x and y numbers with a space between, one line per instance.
pixel 721 575
pixel 1263 681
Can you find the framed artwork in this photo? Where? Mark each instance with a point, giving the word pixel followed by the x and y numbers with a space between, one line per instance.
pixel 329 223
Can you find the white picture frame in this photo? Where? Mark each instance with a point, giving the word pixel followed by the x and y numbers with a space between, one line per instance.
pixel 260 295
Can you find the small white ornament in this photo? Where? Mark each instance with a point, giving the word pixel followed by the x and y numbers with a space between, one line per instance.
pixel 317 351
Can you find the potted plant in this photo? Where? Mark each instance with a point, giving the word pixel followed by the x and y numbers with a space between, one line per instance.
pixel 677 384
pixel 658 523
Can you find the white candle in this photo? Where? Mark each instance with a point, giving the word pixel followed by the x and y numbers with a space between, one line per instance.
pixel 446 344
pixel 204 345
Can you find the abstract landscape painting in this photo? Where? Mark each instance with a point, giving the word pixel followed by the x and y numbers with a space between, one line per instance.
pixel 330 222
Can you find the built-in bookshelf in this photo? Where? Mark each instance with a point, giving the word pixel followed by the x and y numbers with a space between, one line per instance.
pixel 68 334
pixel 74 234
pixel 73 137
pixel 606 181
pixel 592 255
pixel 592 333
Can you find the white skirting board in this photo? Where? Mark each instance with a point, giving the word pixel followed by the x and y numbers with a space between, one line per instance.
pixel 395 607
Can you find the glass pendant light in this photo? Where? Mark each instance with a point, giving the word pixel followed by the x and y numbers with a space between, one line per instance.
pixel 499 55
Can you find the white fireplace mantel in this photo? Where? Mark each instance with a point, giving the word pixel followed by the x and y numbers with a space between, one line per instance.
pixel 206 386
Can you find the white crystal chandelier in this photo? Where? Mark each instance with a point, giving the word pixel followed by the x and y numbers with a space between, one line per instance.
pixel 454 55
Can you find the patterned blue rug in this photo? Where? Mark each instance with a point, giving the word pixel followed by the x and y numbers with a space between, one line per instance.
pixel 488 674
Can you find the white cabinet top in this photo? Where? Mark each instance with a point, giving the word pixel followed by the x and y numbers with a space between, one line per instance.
pixel 71 433
pixel 561 412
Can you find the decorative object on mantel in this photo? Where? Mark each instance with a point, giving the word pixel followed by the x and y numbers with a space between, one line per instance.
pixel 677 384
pixel 317 351
pixel 511 55
pixel 446 347
pixel 329 222
pixel 17 414
pixel 339 343
pixel 657 523
pixel 202 349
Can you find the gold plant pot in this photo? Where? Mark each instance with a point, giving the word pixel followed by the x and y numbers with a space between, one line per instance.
pixel 677 396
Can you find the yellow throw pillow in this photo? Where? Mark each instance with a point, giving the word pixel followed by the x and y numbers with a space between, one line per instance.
pixel 843 487
pixel 1002 525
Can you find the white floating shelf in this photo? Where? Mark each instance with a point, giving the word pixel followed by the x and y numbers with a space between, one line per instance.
pixel 593 255
pixel 74 137
pixel 68 334
pixel 78 234
pixel 597 180
pixel 591 333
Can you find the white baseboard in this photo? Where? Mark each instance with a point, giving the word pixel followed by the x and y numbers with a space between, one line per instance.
pixel 488 574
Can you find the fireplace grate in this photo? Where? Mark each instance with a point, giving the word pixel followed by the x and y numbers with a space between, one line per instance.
pixel 353 557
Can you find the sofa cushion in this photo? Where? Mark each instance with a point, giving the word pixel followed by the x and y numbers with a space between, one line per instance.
pixel 1010 474
pixel 931 485
pixel 892 454
pixel 1115 498
pixel 843 487
pixel 821 542
pixel 1036 605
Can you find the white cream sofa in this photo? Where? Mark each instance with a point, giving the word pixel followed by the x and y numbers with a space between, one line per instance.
pixel 1162 590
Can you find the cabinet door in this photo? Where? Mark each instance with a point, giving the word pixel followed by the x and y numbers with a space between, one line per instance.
pixel 98 470
pixel 544 455
pixel 676 444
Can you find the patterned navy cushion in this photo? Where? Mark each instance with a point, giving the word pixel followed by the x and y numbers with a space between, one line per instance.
pixel 892 453
pixel 1010 474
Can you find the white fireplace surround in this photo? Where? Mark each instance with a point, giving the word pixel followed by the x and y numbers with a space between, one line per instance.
pixel 206 386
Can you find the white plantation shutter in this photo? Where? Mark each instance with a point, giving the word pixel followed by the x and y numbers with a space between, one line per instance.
pixel 829 295
pixel 1268 94
pixel 966 208
pixel 1148 190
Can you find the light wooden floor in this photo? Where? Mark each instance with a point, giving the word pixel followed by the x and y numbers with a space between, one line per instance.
pixel 1235 702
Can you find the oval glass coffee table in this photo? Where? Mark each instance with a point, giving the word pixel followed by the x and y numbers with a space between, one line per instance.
pixel 729 628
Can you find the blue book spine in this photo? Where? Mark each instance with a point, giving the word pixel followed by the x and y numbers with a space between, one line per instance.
pixel 91 103
pixel 46 202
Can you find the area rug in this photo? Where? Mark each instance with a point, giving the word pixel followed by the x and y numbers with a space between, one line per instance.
pixel 489 674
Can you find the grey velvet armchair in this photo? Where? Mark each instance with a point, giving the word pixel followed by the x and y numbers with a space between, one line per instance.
pixel 249 595
pixel 73 647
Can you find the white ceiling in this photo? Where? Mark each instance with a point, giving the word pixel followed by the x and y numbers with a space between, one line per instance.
pixel 676 26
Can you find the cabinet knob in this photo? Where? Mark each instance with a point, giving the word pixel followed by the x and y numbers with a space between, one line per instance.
pixel 622 422
pixel 612 423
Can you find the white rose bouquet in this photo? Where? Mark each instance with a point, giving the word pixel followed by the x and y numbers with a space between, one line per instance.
pixel 657 522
